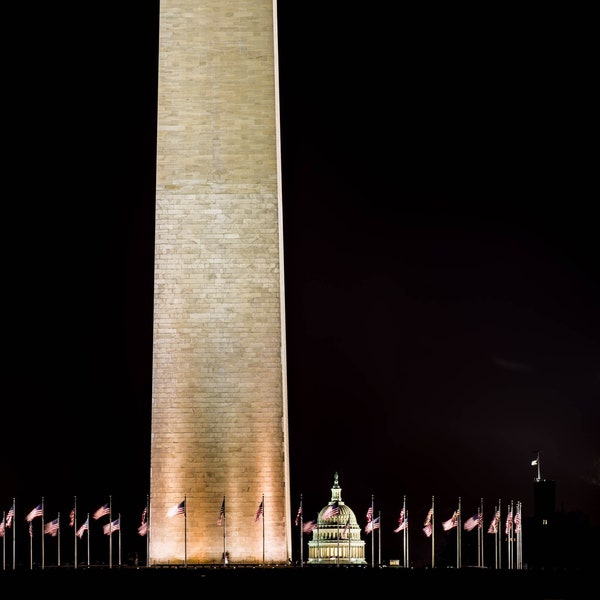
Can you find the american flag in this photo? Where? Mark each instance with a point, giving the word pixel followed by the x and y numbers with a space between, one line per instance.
pixel 472 522
pixel 2 528
pixel 221 513
pixel 10 516
pixel 493 528
pixel 331 510
pixel 509 523
pixel 72 518
pixel 259 511
pixel 143 528
pixel 371 525
pixel 31 529
pixel 111 527
pixel 309 526
pixel 518 522
pixel 38 511
pixel 370 514
pixel 451 522
pixel 429 517
pixel 299 513
pixel 402 522
pixel 178 509
pixel 83 528
pixel 52 527
pixel 428 527
pixel 346 527
pixel 102 511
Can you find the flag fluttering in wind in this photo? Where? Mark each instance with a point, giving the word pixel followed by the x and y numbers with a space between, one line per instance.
pixel 309 526
pixel 370 514
pixel 143 528
pixel 371 525
pixel 517 521
pixel 509 522
pixel 331 510
pixel 221 513
pixel 83 528
pixel 428 527
pixel 10 516
pixel 52 527
pixel 102 511
pixel 111 527
pixel 299 514
pixel 493 528
pixel 259 511
pixel 402 522
pixel 178 509
pixel 38 511
pixel 346 528
pixel 72 518
pixel 451 522
pixel 2 528
pixel 472 522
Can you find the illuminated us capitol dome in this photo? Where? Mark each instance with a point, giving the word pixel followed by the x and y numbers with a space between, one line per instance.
pixel 336 533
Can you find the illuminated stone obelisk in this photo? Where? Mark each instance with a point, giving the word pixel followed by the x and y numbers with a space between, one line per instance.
pixel 219 395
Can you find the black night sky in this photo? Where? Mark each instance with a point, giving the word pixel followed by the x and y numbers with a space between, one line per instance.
pixel 442 287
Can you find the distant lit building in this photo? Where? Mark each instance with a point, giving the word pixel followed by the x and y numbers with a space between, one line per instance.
pixel 336 534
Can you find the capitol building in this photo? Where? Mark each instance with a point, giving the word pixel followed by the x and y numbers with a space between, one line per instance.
pixel 336 534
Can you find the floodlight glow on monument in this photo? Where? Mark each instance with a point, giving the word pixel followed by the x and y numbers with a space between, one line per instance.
pixel 219 397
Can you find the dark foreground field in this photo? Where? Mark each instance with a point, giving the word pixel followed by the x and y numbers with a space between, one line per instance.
pixel 307 581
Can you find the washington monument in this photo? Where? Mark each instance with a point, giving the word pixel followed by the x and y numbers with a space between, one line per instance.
pixel 219 434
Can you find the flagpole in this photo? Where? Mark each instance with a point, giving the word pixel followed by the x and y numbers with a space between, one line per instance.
pixel 31 545
pixel 373 536
pixel 43 541
pixel 348 533
pixel 263 530
pixel 379 540
pixel 110 535
pixel 58 539
pixel 479 515
pixel 4 541
pixel 432 532
pixel 185 531
pixel 458 536
pixel 147 530
pixel 14 526
pixel 88 540
pixel 318 542
pixel 74 532
pixel 406 546
pixel 495 539
pixel 499 534
pixel 119 517
pixel 520 536
pixel 517 534
pixel 481 534
pixel 538 462
pixel 224 534
pixel 301 534
pixel 507 532
pixel 337 558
